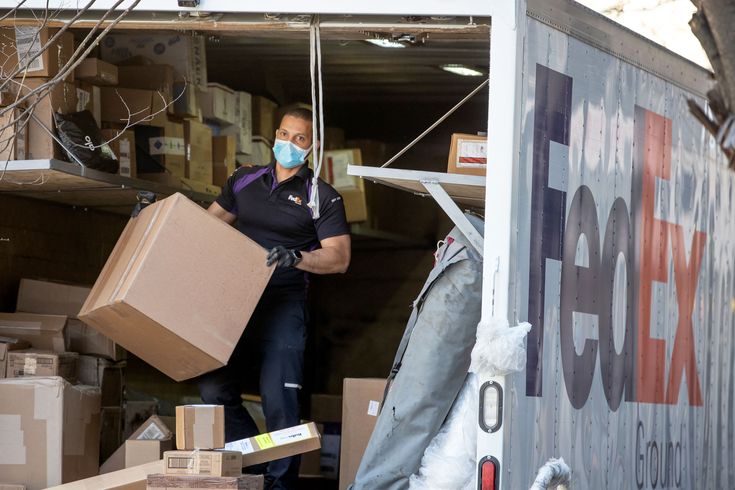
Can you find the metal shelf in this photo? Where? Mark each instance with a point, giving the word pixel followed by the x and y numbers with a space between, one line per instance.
pixel 72 184
pixel 446 189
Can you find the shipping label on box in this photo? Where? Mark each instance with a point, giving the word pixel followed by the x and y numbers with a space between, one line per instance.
pixel 335 169
pixel 468 154
pixel 123 145
pixel 26 50
pixel 212 463
pixel 42 363
pixel 166 145
pixel 200 427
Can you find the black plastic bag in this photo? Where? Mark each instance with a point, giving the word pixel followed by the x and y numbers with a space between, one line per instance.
pixel 83 141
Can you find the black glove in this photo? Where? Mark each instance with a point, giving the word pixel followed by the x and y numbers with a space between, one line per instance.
pixel 283 257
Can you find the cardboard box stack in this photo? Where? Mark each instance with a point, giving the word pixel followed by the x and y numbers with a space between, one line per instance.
pixel 361 401
pixel 154 253
pixel 98 360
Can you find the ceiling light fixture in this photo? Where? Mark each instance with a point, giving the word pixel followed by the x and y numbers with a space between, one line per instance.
pixel 464 70
pixel 386 43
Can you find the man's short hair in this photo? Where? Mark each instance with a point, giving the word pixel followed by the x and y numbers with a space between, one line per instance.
pixel 300 113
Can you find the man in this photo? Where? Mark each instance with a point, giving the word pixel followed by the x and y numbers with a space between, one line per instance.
pixel 269 205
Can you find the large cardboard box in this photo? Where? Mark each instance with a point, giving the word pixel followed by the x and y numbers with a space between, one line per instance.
pixel 185 53
pixel 362 398
pixel 157 78
pixel 128 106
pixel 277 444
pixel 34 362
pixel 178 288
pixel 96 71
pixel 212 463
pixel 51 297
pixel 264 117
pixel 123 146
pixel 62 98
pixel 243 127
pixel 41 331
pixel 58 298
pixel 160 149
pixel 200 427
pixel 127 479
pixel 172 482
pixel 223 158
pixel 25 42
pixel 198 139
pixel 50 431
pixel 218 104
pixel 468 154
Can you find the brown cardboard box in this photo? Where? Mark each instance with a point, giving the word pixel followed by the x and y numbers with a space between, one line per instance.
pixel 334 170
pixel 362 398
pixel 34 362
pixel 264 116
pixel 144 107
pixel 186 100
pixel 108 376
pixel 157 78
pixel 198 139
pixel 200 427
pixel 468 154
pixel 161 150
pixel 7 345
pixel 310 465
pixel 13 135
pixel 51 422
pixel 184 52
pixel 213 463
pixel 277 444
pixel 96 71
pixel 58 298
pixel 154 254
pixel 123 147
pixel 355 204
pixel 137 414
pixel 25 42
pixel 51 297
pixel 223 158
pixel 62 98
pixel 243 127
pixel 218 103
pixel 326 408
pixel 127 479
pixel 172 482
pixel 41 331
pixel 141 451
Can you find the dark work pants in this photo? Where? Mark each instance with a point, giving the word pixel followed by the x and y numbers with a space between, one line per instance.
pixel 273 347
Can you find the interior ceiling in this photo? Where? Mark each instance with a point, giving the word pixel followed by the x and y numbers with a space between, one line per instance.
pixel 354 70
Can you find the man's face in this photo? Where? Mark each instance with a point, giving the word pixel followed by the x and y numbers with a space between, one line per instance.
pixel 295 130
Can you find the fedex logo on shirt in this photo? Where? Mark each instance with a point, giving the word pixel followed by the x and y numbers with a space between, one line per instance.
pixel 590 259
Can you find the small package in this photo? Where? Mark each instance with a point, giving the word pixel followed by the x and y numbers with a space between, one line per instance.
pixel 200 427
pixel 34 362
pixel 210 463
pixel 468 154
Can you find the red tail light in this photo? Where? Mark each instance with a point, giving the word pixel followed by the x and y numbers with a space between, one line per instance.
pixel 488 474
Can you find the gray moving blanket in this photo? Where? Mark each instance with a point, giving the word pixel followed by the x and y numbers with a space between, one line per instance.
pixel 430 366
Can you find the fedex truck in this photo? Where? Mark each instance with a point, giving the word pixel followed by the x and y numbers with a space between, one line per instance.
pixel 609 227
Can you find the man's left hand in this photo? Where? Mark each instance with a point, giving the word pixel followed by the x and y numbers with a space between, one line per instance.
pixel 282 257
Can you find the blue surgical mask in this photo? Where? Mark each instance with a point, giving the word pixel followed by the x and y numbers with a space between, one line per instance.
pixel 288 154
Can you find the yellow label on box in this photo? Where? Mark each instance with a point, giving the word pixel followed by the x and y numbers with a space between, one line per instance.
pixel 265 441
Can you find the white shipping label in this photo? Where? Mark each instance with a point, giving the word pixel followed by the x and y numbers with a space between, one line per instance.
pixel 243 445
pixel 373 408
pixel 83 98
pixel 28 45
pixel 292 434
pixel 124 158
pixel 166 145
pixel 152 432
pixel 337 163
pixel 30 365
pixel 471 154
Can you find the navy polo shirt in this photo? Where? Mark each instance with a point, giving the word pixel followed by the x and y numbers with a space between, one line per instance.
pixel 272 213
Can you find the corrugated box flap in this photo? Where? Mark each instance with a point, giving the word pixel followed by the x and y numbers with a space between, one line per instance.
pixel 32 321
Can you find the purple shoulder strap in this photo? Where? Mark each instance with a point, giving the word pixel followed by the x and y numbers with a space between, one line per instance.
pixel 248 179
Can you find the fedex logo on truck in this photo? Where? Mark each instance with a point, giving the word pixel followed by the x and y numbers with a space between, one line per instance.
pixel 637 369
